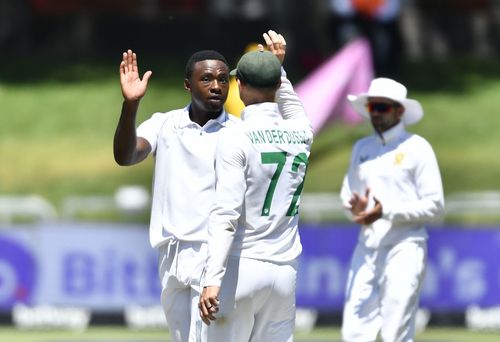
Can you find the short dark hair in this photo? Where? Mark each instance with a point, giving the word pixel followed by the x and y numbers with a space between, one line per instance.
pixel 203 55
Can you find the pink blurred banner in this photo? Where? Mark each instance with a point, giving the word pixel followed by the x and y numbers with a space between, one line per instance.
pixel 324 91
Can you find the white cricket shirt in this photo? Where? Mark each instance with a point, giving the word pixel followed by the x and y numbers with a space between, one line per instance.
pixel 260 168
pixel 184 177
pixel 402 172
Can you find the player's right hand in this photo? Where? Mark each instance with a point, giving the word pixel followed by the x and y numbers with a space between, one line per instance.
pixel 358 208
pixel 133 88
pixel 359 203
pixel 276 43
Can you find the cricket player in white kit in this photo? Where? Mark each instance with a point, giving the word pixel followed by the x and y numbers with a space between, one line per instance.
pixel 250 280
pixel 393 188
pixel 183 142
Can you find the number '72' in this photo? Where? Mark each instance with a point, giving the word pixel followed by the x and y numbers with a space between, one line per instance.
pixel 279 158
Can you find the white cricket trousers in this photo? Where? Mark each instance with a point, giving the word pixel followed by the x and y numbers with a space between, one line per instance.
pixel 180 269
pixel 257 302
pixel 383 289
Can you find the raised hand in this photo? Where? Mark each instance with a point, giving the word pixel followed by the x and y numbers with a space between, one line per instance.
pixel 133 88
pixel 275 43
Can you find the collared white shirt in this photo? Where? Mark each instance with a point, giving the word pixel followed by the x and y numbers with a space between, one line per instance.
pixel 184 178
pixel 260 167
pixel 402 172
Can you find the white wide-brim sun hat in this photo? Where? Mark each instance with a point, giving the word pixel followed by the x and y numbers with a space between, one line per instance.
pixel 390 89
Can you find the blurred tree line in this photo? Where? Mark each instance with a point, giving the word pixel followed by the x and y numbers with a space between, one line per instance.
pixel 433 29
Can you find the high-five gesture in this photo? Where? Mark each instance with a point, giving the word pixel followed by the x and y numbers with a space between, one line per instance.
pixel 133 88
pixel 128 149
pixel 275 43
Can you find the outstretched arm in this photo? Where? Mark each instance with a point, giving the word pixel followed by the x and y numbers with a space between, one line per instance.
pixel 128 149
pixel 289 103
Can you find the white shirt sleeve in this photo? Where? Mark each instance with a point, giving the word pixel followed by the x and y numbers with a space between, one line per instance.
pixel 150 129
pixel 289 104
pixel 345 196
pixel 230 161
pixel 350 183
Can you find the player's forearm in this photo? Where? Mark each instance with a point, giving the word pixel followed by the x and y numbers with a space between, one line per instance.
pixel 419 212
pixel 289 104
pixel 125 139
pixel 345 196
pixel 219 246
pixel 229 198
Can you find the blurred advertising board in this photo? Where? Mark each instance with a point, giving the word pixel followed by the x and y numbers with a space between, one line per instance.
pixel 107 267
pixel 463 267
pixel 102 267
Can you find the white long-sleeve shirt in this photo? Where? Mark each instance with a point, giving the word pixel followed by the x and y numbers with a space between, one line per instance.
pixel 401 172
pixel 260 170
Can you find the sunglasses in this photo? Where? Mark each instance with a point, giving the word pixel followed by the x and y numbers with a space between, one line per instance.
pixel 381 107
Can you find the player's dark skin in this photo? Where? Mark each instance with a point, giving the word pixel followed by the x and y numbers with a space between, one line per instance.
pixel 381 122
pixel 208 85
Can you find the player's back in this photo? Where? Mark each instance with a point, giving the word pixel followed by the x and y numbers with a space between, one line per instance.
pixel 276 154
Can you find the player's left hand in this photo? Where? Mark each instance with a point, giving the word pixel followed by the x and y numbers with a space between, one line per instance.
pixel 209 303
pixel 276 43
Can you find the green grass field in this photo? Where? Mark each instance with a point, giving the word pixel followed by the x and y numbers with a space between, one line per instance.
pixel 323 334
pixel 58 119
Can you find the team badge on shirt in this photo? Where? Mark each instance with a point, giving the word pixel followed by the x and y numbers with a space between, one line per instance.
pixel 398 159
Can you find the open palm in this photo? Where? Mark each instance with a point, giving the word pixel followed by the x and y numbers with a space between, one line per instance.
pixel 133 88
pixel 275 43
